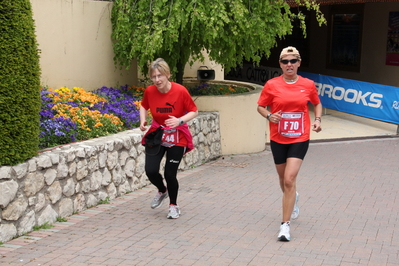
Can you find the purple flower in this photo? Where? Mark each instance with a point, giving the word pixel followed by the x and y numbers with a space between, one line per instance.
pixel 57 131
pixel 120 103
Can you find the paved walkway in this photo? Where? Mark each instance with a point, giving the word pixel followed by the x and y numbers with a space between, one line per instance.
pixel 231 209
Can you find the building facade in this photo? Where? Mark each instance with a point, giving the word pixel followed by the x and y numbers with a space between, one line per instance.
pixel 359 42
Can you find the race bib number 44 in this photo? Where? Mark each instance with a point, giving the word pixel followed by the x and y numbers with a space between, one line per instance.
pixel 291 124
pixel 170 137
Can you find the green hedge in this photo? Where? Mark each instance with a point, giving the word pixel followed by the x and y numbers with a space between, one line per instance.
pixel 19 83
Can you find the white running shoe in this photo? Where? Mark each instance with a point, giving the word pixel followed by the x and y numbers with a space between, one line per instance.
pixel 158 199
pixel 174 212
pixel 295 212
pixel 284 234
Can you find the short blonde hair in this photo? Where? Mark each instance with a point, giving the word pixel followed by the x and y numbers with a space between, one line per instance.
pixel 161 65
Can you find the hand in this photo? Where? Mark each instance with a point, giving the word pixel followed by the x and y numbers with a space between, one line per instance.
pixel 143 126
pixel 275 117
pixel 316 126
pixel 172 122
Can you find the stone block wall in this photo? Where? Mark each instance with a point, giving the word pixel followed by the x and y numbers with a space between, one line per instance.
pixel 68 179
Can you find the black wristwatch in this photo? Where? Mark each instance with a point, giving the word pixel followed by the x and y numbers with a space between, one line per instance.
pixel 268 116
pixel 181 122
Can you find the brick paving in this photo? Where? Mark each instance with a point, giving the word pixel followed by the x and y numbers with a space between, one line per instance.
pixel 231 211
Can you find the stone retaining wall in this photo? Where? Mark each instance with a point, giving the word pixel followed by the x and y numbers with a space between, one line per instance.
pixel 68 179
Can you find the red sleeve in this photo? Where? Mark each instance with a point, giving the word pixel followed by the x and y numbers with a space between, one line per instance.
pixel 189 103
pixel 264 97
pixel 144 102
pixel 314 96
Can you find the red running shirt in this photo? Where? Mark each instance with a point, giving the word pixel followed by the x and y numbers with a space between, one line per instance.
pixel 176 102
pixel 295 97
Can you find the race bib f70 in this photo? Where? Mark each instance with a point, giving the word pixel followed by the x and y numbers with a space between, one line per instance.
pixel 291 124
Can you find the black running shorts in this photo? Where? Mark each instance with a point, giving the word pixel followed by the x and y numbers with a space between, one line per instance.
pixel 283 151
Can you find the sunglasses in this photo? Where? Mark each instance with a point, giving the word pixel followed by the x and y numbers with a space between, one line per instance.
pixel 285 61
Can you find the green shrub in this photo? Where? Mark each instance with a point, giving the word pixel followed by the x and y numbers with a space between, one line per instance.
pixel 20 83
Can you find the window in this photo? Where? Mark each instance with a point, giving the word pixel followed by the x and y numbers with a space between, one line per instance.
pixel 345 37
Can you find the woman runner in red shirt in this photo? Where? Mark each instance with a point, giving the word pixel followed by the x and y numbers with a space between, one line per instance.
pixel 171 107
pixel 287 97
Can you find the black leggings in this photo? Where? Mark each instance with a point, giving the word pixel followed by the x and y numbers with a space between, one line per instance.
pixel 152 165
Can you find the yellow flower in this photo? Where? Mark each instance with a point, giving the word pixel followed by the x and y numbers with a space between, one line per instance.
pixel 138 104
pixel 62 89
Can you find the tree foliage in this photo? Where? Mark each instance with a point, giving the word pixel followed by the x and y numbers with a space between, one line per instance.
pixel 20 83
pixel 180 30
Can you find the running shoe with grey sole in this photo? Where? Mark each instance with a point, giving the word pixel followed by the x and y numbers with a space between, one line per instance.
pixel 158 200
pixel 284 234
pixel 174 212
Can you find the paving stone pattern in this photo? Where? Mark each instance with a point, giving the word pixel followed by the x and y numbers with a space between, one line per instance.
pixel 231 211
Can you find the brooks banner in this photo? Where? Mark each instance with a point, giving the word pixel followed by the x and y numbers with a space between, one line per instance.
pixel 365 99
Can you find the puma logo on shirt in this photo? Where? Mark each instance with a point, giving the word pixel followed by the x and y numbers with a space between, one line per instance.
pixel 164 110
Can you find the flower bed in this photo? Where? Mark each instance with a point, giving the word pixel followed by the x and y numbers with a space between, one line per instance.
pixel 69 115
